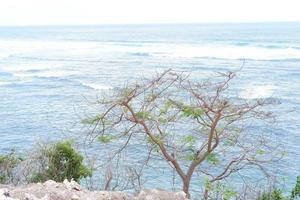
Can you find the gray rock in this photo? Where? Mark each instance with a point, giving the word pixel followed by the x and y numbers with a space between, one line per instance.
pixel 71 190
pixel 5 195
pixel 72 185
pixel 75 197
pixel 33 197
pixel 50 183
pixel 156 194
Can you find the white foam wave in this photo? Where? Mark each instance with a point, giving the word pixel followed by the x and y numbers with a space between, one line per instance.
pixel 96 86
pixel 50 49
pixel 36 44
pixel 258 91
pixel 44 74
pixel 237 52
pixel 27 67
pixel 55 74
pixel 45 70
pixel 92 50
pixel 217 51
pixel 2 83
pixel 3 55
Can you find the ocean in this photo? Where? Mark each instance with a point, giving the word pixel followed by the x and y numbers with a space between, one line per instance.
pixel 50 75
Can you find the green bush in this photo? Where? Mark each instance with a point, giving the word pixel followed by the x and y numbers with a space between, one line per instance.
pixel 296 190
pixel 63 162
pixel 276 194
pixel 7 164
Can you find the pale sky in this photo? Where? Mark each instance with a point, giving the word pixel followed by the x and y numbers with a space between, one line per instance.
pixel 63 12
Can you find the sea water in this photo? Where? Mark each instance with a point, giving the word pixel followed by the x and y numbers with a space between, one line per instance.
pixel 50 75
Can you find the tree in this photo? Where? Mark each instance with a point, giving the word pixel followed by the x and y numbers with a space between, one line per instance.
pixel 196 126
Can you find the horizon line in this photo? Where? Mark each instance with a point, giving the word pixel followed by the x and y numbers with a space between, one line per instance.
pixel 154 23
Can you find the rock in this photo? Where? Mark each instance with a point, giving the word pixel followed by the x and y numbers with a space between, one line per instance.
pixel 5 195
pixel 71 190
pixel 33 197
pixel 51 183
pixel 30 197
pixel 104 195
pixel 7 198
pixel 156 194
pixel 75 197
pixel 4 192
pixel 71 185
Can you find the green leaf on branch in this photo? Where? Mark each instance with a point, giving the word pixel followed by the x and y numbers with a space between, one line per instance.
pixel 143 115
pixel 155 140
pixel 260 152
pixel 212 158
pixel 229 194
pixel 92 120
pixel 166 107
pixel 190 157
pixel 162 120
pixel 105 138
pixel 127 91
pixel 189 111
pixel 229 143
pixel 190 140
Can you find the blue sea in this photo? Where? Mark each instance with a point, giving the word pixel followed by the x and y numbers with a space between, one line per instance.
pixel 50 75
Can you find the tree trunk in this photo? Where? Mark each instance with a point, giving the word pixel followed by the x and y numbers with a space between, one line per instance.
pixel 186 186
pixel 206 194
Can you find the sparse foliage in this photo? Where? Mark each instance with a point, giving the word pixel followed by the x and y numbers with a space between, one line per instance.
pixel 197 127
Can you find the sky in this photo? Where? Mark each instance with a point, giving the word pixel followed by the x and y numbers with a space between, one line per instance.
pixel 73 12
